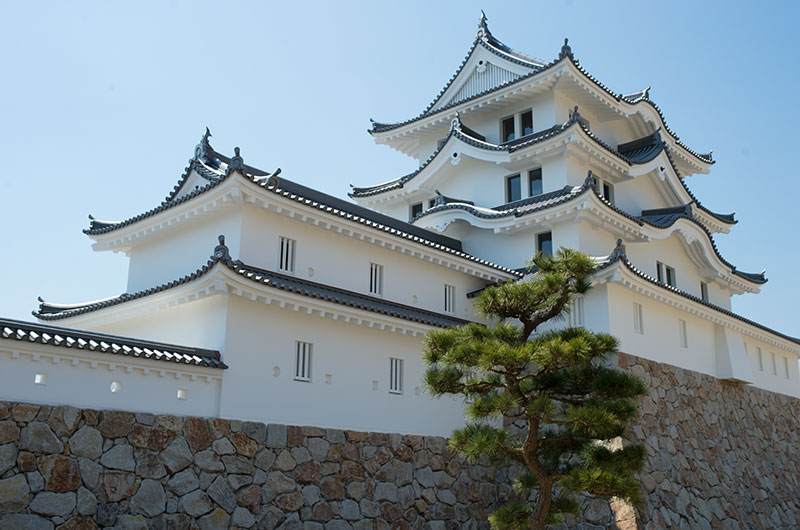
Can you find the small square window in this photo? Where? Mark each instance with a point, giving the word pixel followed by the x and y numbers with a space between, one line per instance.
pixel 302 361
pixel 507 129
pixel 527 122
pixel 513 188
pixel 395 375
pixel 40 379
pixel 544 243
pixel 535 182
pixel 375 278
pixel 416 211
pixel 286 262
pixel 183 393
pixel 449 299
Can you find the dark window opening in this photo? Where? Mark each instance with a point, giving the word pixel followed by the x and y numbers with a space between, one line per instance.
pixel 527 123
pixel 535 182
pixel 416 210
pixel 508 129
pixel 704 291
pixel 431 203
pixel 513 188
pixel 544 243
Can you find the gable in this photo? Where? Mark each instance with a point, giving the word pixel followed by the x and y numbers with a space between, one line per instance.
pixel 484 77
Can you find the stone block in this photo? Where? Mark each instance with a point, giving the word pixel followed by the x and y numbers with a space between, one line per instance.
pixel 290 502
pixel 119 457
pixel 182 483
pixel 9 432
pixel 149 499
pixel 19 521
pixel 115 423
pixel 285 461
pixel 196 503
pixel 222 494
pixel 131 522
pixel 118 485
pixel 264 459
pixel 107 514
pixel 49 503
pixel 8 457
pixel 87 442
pixel 153 438
pixel 172 425
pixel 196 432
pixel 24 412
pixel 237 464
pixel 244 445
pixel 14 494
pixel 86 503
pixel 60 473
pixel 148 464
pixel 279 482
pixel 215 520
pixel 219 428
pixel 223 446
pixel 255 430
pixel 276 435
pixel 64 420
pixel 38 438
pixel 177 455
pixel 242 518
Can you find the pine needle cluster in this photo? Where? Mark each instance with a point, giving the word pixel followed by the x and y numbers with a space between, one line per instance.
pixel 555 381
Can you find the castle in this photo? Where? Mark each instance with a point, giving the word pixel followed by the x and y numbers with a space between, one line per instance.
pixel 293 306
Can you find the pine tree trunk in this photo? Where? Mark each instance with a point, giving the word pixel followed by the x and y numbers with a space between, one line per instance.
pixel 543 500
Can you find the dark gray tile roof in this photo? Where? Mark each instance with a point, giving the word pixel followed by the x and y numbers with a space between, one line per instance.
pixel 109 344
pixel 270 279
pixel 641 97
pixel 619 255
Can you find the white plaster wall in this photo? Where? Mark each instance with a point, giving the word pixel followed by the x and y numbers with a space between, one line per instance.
pixel 83 379
pixel 262 338
pixel 182 249
pixel 637 194
pixel 762 373
pixel 331 258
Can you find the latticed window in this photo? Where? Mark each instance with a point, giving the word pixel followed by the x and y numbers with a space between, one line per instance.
pixel 395 375
pixel 375 278
pixel 286 262
pixel 576 312
pixel 638 318
pixel 449 299
pixel 682 334
pixel 302 361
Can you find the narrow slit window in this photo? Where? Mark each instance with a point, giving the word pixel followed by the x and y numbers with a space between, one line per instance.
pixel 376 278
pixel 608 192
pixel 286 262
pixel 659 272
pixel 507 126
pixel 760 359
pixel 786 367
pixel 638 318
pixel 395 375
pixel 535 182
pixel 302 361
pixel 704 291
pixel 576 312
pixel 544 243
pixel 527 122
pixel 449 299
pixel 513 188
pixel 684 338
pixel 774 364
pixel 670 276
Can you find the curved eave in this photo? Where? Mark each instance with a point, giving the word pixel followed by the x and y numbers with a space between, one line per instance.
pixel 271 280
pixel 620 260
pixel 702 162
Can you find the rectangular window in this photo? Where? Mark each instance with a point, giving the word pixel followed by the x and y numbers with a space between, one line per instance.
pixel 665 274
pixel 535 182
pixel 302 361
pixel 774 364
pixel 704 291
pixel 608 192
pixel 375 278
pixel 395 375
pixel 638 318
pixel 576 312
pixel 431 203
pixel 544 243
pixel 286 263
pixel 513 188
pixel 449 299
pixel 786 367
pixel 527 122
pixel 684 338
pixel 760 359
pixel 507 129
pixel 416 211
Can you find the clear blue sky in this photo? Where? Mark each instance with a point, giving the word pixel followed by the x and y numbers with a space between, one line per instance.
pixel 101 105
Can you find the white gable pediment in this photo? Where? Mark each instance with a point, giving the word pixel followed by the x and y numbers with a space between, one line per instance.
pixel 483 71
pixel 193 182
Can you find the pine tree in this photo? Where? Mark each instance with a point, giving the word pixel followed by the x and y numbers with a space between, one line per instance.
pixel 555 381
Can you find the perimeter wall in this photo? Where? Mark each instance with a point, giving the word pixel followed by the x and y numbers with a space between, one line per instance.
pixel 719 456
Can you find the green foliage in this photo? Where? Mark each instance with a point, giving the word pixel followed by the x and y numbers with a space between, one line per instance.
pixel 555 381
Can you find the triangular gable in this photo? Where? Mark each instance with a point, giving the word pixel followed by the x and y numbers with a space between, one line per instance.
pixel 484 77
pixel 193 182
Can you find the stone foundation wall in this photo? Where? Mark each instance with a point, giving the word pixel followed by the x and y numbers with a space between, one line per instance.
pixel 720 455
pixel 70 468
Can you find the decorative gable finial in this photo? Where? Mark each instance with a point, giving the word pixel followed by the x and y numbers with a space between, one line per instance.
pixel 483 27
pixel 455 124
pixel 619 251
pixel 221 251
pixel 236 163
pixel 566 51
pixel 203 149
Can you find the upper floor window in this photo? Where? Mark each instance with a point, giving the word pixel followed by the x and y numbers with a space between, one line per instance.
pixel 286 262
pixel 605 190
pixel 302 361
pixel 760 359
pixel 415 211
pixel 513 188
pixel 375 278
pixel 535 182
pixel 704 291
pixel 682 334
pixel 665 274
pixel 395 375
pixel 544 243
pixel 507 129
pixel 526 125
pixel 449 299
pixel 774 364
pixel 786 367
